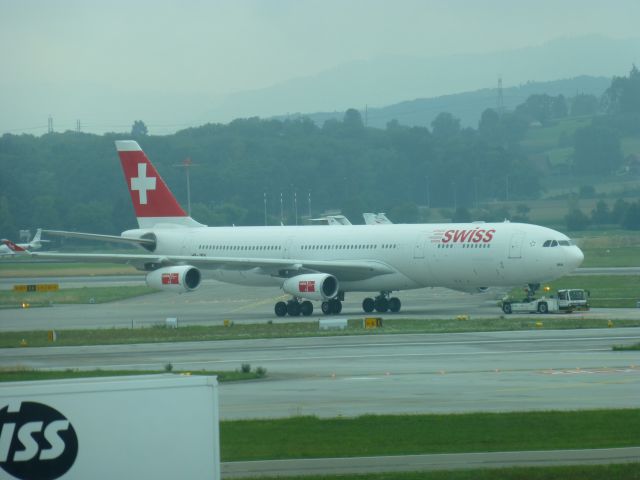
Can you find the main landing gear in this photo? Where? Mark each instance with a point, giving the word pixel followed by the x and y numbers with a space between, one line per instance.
pixel 382 303
pixel 333 306
pixel 294 308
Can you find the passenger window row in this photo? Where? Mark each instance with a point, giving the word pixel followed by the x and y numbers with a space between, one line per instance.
pixel 240 247
pixel 348 247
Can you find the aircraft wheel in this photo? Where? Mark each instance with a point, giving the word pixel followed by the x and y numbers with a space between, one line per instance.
pixel 281 309
pixel 336 307
pixel 326 308
pixel 368 305
pixel 543 307
pixel 506 308
pixel 394 304
pixel 293 308
pixel 381 304
pixel 306 308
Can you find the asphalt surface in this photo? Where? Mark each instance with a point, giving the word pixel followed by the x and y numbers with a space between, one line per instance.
pixel 407 463
pixel 214 302
pixel 390 374
pixel 350 376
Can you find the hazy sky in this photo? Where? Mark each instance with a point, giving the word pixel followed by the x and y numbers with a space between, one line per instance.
pixel 57 56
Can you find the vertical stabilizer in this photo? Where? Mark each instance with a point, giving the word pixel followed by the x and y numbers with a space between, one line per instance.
pixel 153 202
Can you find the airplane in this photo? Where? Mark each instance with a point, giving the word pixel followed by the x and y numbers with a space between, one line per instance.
pixel 376 219
pixel 332 220
pixel 323 263
pixel 10 248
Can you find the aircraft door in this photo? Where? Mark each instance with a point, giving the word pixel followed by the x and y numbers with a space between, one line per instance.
pixel 187 247
pixel 418 246
pixel 515 246
pixel 287 248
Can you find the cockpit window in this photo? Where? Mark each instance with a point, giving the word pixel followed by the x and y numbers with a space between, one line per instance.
pixel 547 243
pixel 554 243
pixel 564 243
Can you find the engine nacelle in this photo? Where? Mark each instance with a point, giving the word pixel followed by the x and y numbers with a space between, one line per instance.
pixel 179 278
pixel 313 286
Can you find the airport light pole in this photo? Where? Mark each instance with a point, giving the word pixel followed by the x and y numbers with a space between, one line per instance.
pixel 455 196
pixel 187 164
pixel 427 199
pixel 506 189
pixel 281 210
pixel 475 191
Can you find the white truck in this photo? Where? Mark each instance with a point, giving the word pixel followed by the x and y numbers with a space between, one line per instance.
pixel 161 427
pixel 566 300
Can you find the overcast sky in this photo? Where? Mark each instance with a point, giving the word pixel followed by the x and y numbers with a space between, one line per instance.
pixel 211 48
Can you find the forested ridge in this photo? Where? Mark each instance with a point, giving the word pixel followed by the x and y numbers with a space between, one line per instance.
pixel 73 180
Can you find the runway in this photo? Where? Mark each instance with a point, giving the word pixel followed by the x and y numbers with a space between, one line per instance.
pixel 215 302
pixel 408 463
pixel 390 374
pixel 356 375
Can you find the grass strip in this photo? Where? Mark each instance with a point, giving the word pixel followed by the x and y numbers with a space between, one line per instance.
pixel 607 291
pixel 26 374
pixel 83 295
pixel 628 471
pixel 198 333
pixel 312 437
pixel 626 348
pixel 29 268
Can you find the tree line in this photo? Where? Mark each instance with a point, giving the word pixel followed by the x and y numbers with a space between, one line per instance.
pixel 255 171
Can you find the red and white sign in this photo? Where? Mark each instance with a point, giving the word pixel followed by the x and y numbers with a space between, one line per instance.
pixel 307 286
pixel 170 279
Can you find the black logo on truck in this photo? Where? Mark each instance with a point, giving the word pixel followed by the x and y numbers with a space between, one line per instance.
pixel 37 442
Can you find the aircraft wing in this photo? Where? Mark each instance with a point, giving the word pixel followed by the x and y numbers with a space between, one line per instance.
pixel 347 270
pixel 100 238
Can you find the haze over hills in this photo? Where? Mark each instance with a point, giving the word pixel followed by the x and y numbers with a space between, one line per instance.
pixel 389 80
pixel 381 81
pixel 468 106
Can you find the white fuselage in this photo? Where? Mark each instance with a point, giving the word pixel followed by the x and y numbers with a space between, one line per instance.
pixel 458 256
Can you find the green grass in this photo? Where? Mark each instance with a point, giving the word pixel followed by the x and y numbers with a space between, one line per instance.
pixel 630 146
pixel 607 291
pixel 627 471
pixel 25 374
pixel 369 435
pixel 84 295
pixel 28 268
pixel 547 137
pixel 612 257
pixel 115 336
pixel 560 155
pixel 626 348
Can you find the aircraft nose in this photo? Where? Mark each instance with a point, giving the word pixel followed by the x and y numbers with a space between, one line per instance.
pixel 574 257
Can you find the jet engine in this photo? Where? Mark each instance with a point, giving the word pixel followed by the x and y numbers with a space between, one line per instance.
pixel 179 278
pixel 315 286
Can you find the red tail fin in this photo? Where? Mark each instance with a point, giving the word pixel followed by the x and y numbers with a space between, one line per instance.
pixel 152 200
pixel 13 247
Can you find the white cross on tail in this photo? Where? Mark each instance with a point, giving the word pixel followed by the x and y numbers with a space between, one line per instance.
pixel 142 183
